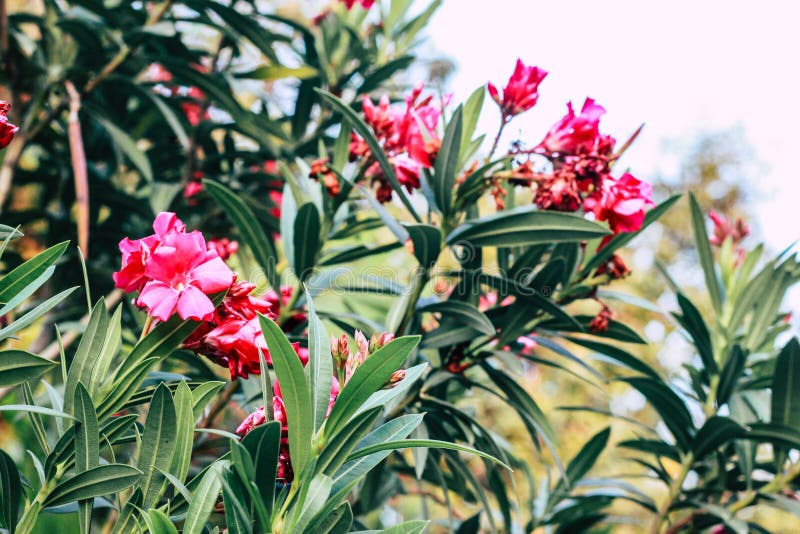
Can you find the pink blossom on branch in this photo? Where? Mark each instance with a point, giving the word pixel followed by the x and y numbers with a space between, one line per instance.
pixel 521 92
pixel 725 228
pixel 622 202
pixel 366 4
pixel 574 133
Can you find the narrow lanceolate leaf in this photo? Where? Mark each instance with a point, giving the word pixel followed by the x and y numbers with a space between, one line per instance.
pixel 370 376
pixel 416 443
pixel 18 366
pixel 694 324
pixel 30 317
pixel 525 226
pixel 316 497
pixel 246 222
pixel 184 426
pixel 320 365
pixel 19 278
pixel 716 432
pixel 162 524
pixel 158 445
pixel 96 482
pixel 586 458
pixel 295 390
pixel 447 160
pixel 731 371
pixel 340 444
pixel 786 386
pixel 409 527
pixel 88 351
pixel 705 254
pixel 263 444
pixel 366 133
pixel 353 470
pixel 87 447
pixel 464 313
pixel 669 406
pixel 10 491
pixel 204 498
pixel 306 240
pixel 427 242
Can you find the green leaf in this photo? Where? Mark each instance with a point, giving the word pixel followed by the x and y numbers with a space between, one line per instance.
pixel 427 242
pixel 462 312
pixel 10 491
pixel 339 445
pixel 162 524
pixel 158 445
pixel 21 277
pixel 409 527
pixel 370 376
pixel 318 492
pixel 585 459
pixel 30 317
pixel 669 406
pixel 525 226
pixel 786 386
pixel 693 322
pixel 202 394
pixel 716 432
pixel 34 409
pixel 279 72
pixel 320 365
pixel 366 133
pixel 307 241
pixel 705 254
pixel 96 482
pixel 618 355
pixel 18 366
pixel 295 390
pixel 775 433
pixel 447 160
pixel 425 443
pixel 246 222
pixel 731 371
pixel 204 498
pixel 263 444
pixel 87 447
pixel 616 330
pixel 472 112
pixel 356 252
pixel 354 470
pixel 89 349
pixel 622 239
pixel 184 432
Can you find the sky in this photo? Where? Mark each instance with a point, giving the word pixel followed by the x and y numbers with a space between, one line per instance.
pixel 682 67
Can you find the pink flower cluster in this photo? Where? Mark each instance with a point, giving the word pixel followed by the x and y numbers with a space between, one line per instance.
pixel 406 133
pixel 176 272
pixel 173 270
pixel 346 363
pixel 7 130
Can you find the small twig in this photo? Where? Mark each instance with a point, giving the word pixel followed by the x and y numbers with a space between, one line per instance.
pixel 78 156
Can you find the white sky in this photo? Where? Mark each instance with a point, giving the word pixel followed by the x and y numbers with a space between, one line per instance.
pixel 682 67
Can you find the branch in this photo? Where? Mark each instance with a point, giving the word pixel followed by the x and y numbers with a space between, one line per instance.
pixel 78 156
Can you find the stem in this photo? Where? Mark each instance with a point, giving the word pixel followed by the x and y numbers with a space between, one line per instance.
pixel 674 492
pixel 31 514
pixel 78 157
pixel 420 281
pixel 503 121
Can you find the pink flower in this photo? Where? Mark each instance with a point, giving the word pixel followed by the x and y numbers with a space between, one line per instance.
pixel 621 202
pixel 7 130
pixel 574 133
pixel 725 228
pixel 131 276
pixel 182 274
pixel 521 92
pixel 366 4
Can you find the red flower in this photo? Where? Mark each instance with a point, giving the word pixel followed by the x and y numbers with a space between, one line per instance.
pixel 521 92
pixel 558 191
pixel 574 133
pixel 621 202
pixel 7 130
pixel 601 321
pixel 224 247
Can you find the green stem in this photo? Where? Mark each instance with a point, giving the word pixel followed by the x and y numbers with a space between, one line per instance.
pixel 31 514
pixel 674 492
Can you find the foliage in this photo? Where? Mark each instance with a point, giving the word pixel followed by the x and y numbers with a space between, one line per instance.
pixel 259 128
